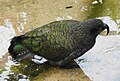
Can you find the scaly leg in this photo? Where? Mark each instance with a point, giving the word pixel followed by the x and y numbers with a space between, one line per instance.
pixel 68 59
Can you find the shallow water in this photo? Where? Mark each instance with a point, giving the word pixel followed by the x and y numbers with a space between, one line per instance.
pixel 101 63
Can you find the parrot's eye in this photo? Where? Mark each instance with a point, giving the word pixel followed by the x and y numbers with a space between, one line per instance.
pixel 93 31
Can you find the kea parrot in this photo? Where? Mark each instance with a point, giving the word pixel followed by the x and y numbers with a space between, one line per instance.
pixel 60 42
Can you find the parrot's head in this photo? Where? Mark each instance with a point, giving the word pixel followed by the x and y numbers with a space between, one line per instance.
pixel 93 27
pixel 17 51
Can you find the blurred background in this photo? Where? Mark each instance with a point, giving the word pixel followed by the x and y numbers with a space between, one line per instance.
pixel 102 63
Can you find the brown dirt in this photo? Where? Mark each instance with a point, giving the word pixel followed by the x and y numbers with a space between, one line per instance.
pixel 56 74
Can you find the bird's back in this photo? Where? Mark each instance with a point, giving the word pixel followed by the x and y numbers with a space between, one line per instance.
pixel 53 41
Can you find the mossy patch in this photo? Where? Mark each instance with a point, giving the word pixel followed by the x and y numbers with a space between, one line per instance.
pixel 31 69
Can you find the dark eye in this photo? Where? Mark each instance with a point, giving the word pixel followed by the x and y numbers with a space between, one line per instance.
pixel 93 31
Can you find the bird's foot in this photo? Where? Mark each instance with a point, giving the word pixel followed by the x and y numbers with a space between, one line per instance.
pixel 71 64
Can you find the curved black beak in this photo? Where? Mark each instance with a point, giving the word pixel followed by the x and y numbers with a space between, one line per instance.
pixel 106 27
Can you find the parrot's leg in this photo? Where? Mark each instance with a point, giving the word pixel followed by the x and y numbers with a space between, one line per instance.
pixel 71 64
pixel 69 59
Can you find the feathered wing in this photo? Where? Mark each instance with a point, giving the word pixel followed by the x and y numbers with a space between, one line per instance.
pixel 33 39
pixel 52 40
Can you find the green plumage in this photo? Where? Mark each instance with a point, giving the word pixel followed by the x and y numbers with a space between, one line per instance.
pixel 57 41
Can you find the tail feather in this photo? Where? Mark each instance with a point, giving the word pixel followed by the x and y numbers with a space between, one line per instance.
pixel 15 41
